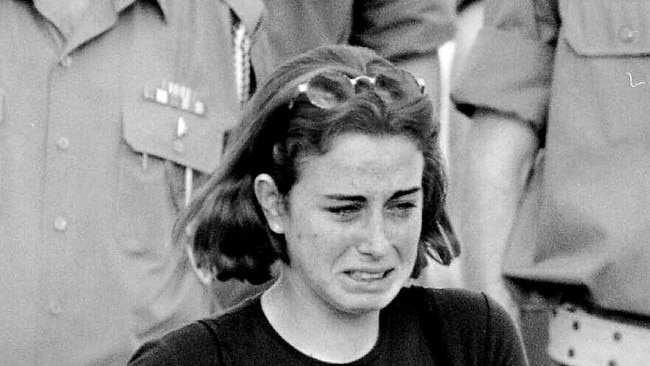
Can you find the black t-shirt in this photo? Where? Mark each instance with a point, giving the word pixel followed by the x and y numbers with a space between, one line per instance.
pixel 419 327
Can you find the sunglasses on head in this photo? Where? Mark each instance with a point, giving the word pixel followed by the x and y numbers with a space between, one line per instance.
pixel 332 88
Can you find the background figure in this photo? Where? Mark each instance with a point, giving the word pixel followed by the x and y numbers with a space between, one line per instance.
pixel 406 32
pixel 453 130
pixel 557 172
pixel 109 113
pixel 334 182
pixel 479 267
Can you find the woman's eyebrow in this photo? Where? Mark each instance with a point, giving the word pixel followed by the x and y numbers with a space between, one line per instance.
pixel 406 192
pixel 345 197
pixel 360 198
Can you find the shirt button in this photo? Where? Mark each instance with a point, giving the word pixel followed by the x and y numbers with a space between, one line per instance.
pixel 63 143
pixel 627 34
pixel 55 307
pixel 60 224
pixel 66 61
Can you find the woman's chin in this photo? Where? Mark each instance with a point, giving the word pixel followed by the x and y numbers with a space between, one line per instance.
pixel 362 302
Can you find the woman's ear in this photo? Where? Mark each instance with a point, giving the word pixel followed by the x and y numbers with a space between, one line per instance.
pixel 269 198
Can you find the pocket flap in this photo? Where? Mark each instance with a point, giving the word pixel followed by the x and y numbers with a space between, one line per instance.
pixel 607 27
pixel 173 134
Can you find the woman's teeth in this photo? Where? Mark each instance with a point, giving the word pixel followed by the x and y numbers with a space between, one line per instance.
pixel 367 276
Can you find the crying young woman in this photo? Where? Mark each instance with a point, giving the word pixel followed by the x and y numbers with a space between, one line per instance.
pixel 334 185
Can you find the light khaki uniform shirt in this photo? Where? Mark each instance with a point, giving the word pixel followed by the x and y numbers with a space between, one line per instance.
pixel 577 72
pixel 97 131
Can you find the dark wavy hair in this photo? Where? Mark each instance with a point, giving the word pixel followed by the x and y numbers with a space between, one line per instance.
pixel 227 229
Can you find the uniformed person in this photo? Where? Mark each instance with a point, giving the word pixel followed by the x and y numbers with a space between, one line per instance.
pixel 110 113
pixel 557 176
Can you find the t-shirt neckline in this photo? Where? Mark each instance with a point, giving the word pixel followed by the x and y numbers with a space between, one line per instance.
pixel 366 359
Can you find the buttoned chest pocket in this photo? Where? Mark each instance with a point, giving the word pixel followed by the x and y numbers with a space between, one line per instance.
pixel 167 153
pixel 168 133
pixel 607 62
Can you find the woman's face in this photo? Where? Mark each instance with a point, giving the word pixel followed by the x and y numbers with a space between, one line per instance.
pixel 352 222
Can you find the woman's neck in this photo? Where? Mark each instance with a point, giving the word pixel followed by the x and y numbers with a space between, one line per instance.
pixel 317 330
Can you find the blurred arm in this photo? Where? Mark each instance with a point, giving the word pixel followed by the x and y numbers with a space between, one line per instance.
pixel 504 87
pixel 501 152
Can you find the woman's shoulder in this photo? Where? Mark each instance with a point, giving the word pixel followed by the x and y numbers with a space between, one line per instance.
pixel 453 305
pixel 450 293
pixel 198 343
pixel 473 326
pixel 457 299
pixel 234 318
pixel 192 344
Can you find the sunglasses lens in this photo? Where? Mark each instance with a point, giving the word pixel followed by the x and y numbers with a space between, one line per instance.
pixel 396 85
pixel 329 90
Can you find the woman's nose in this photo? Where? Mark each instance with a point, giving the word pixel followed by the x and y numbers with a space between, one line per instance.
pixel 375 239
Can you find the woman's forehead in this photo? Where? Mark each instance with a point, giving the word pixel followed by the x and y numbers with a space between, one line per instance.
pixel 360 162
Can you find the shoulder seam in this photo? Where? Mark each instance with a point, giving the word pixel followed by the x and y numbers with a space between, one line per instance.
pixel 215 339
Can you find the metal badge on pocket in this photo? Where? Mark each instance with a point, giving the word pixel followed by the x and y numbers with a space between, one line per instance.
pixel 185 99
pixel 176 96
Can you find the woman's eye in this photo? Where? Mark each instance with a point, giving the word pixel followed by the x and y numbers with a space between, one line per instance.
pixel 343 211
pixel 403 207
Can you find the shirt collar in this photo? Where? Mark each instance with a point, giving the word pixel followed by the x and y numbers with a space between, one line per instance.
pixel 162 4
pixel 248 11
pixel 165 8
pixel 121 4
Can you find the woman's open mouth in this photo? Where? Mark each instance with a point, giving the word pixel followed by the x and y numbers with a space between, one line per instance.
pixel 368 276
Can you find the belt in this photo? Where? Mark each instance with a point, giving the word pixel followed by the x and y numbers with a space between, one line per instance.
pixel 579 338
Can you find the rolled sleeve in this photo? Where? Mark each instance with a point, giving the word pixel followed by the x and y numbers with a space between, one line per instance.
pixel 509 68
pixel 400 29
